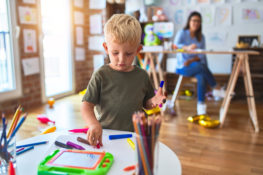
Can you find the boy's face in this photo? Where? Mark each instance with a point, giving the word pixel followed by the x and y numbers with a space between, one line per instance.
pixel 121 55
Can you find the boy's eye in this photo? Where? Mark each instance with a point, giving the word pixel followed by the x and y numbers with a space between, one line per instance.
pixel 115 53
pixel 128 54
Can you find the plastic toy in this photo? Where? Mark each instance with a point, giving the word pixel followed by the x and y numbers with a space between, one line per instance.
pixel 76 162
pixel 150 39
pixel 51 102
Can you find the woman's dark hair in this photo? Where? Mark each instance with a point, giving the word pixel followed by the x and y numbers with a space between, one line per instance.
pixel 198 33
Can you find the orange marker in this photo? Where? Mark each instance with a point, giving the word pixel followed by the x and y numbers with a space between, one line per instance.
pixel 129 168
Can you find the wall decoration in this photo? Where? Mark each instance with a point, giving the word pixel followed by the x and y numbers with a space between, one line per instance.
pixel 30 45
pixel 27 15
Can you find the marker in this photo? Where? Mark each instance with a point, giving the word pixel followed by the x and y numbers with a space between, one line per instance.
pixel 120 136
pixel 31 144
pixel 11 169
pixel 83 130
pixel 129 168
pixel 131 143
pixel 24 150
pixel 74 145
pixel 161 84
pixel 62 145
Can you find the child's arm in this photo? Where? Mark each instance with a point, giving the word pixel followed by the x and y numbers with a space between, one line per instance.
pixel 94 134
pixel 159 98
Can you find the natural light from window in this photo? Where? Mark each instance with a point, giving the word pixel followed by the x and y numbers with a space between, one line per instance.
pixel 7 78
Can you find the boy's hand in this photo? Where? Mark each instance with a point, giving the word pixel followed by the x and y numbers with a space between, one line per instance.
pixel 158 99
pixel 94 134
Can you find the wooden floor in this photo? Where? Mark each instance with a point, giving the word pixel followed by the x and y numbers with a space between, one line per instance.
pixel 233 149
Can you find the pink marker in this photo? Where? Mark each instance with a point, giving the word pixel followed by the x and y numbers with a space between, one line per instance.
pixel 83 130
pixel 44 119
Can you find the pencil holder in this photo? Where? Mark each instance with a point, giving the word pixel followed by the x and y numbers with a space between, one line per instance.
pixel 7 154
pixel 147 144
pixel 147 152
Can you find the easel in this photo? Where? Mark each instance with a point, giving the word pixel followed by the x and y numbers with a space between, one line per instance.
pixel 152 58
pixel 241 63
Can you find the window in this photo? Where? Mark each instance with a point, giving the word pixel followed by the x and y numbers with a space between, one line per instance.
pixel 10 86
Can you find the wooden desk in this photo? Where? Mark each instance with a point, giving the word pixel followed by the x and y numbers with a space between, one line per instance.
pixel 241 64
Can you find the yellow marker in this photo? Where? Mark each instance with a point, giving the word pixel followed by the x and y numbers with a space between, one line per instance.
pixel 49 130
pixel 131 143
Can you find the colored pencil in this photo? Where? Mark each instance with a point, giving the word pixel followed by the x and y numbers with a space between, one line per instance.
pixel 32 144
pixel 24 150
pixel 14 120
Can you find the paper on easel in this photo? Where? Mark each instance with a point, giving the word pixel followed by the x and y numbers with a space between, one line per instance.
pixel 30 66
pixel 29 1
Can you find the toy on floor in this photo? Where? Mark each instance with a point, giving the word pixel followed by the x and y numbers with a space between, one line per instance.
pixel 204 120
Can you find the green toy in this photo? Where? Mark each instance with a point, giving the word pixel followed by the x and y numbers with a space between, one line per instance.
pixel 76 162
pixel 150 39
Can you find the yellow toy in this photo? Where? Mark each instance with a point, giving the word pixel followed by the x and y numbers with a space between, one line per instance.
pixel 196 118
pixel 209 123
pixel 152 111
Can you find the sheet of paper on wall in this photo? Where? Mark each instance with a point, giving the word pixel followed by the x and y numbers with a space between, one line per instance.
pixel 30 45
pixel 27 15
pixel 95 4
pixel 30 66
pixel 78 18
pixel 95 43
pixel 79 36
pixel 79 54
pixel 208 16
pixel 98 61
pixel 223 16
pixel 217 40
pixel 252 15
pixel 78 3
pixel 29 1
pixel 96 24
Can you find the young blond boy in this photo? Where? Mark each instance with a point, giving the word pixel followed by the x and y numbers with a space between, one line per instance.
pixel 118 89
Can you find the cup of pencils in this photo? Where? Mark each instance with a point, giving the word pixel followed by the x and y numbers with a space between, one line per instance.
pixel 7 152
pixel 147 147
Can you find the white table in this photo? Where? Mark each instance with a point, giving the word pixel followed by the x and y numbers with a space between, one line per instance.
pixel 124 155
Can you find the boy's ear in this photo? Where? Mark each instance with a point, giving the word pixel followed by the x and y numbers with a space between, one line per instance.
pixel 139 48
pixel 105 47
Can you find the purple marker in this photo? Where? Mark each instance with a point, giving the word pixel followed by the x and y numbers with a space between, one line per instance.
pixel 74 145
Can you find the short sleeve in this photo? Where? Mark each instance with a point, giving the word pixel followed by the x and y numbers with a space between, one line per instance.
pixel 149 92
pixel 92 94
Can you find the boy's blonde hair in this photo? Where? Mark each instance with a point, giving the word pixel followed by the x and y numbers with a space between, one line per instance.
pixel 123 28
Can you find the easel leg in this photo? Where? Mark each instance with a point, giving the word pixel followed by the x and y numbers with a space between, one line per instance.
pixel 230 87
pixel 160 72
pixel 146 58
pixel 250 94
pixel 155 80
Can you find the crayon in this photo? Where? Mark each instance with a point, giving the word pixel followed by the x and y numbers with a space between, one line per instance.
pixel 62 145
pixel 74 145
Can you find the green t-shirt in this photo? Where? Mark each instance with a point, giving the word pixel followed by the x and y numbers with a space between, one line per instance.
pixel 117 95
